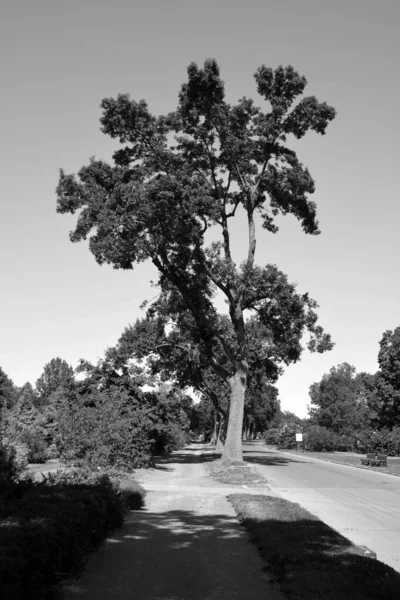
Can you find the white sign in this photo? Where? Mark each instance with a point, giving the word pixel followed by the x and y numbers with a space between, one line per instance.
pixel 299 437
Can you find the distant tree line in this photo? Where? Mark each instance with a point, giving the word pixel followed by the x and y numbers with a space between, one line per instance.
pixel 103 419
pixel 350 410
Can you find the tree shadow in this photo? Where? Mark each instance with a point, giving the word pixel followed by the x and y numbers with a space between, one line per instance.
pixel 162 461
pixel 181 554
pixel 170 556
pixel 312 560
pixel 269 459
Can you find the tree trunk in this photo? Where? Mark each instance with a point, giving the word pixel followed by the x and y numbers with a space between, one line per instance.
pixel 221 434
pixel 233 444
pixel 245 433
pixel 215 433
pixel 251 432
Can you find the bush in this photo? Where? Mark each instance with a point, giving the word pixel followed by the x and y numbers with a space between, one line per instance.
pixel 170 437
pixel 320 439
pixel 124 486
pixel 287 436
pixel 132 494
pixel 13 460
pixel 271 436
pixel 382 442
pixel 47 528
pixel 36 444
pixel 52 452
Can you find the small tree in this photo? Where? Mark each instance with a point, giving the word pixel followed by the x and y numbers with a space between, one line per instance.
pixel 160 198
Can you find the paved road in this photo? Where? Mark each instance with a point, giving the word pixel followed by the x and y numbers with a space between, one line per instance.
pixel 362 505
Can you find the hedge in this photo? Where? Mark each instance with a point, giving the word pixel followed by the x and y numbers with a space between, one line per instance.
pixel 47 528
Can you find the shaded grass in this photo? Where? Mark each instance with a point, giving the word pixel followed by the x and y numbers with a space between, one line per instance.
pixel 309 559
pixel 236 473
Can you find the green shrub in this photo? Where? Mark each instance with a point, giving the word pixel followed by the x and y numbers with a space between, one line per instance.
pixel 271 436
pixel 124 486
pixel 12 463
pixel 34 440
pixel 132 494
pixel 320 439
pixel 52 452
pixel 47 528
pixel 170 437
pixel 287 436
pixel 383 441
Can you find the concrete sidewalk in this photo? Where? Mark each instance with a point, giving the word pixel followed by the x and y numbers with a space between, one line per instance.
pixel 185 545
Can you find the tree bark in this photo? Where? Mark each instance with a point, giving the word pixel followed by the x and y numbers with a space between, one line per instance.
pixel 251 432
pixel 221 434
pixel 233 444
pixel 215 433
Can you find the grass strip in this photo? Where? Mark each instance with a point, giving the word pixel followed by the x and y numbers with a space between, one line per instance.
pixel 308 559
pixel 342 458
pixel 354 461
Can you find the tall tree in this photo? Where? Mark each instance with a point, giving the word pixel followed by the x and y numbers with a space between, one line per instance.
pixel 338 403
pixel 56 373
pixel 388 378
pixel 24 414
pixel 8 396
pixel 160 198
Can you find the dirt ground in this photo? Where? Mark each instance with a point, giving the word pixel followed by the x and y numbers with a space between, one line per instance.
pixel 185 545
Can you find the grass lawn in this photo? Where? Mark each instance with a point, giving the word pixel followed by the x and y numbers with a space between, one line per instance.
pixel 308 559
pixel 347 458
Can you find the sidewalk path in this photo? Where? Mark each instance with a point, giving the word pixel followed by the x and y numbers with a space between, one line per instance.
pixel 185 545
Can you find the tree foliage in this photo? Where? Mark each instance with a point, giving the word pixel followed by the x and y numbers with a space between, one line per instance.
pixel 56 374
pixel 8 394
pixel 161 196
pixel 337 402
pixel 388 379
pixel 110 421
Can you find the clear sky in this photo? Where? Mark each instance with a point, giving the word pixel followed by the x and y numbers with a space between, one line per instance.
pixel 59 59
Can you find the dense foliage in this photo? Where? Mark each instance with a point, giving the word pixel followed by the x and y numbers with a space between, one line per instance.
pixel 337 401
pixel 350 410
pixel 174 354
pixel 48 528
pixel 388 379
pixel 105 419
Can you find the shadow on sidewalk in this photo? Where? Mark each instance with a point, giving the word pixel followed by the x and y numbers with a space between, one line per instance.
pixel 162 462
pixel 172 555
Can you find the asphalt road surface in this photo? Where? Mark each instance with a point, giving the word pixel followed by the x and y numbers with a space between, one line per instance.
pixel 362 505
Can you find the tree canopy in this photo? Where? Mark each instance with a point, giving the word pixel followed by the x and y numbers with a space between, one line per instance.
pixel 179 175
pixel 388 378
pixel 56 373
pixel 8 393
pixel 338 401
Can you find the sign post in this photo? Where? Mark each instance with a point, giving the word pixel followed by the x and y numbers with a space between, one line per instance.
pixel 299 438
